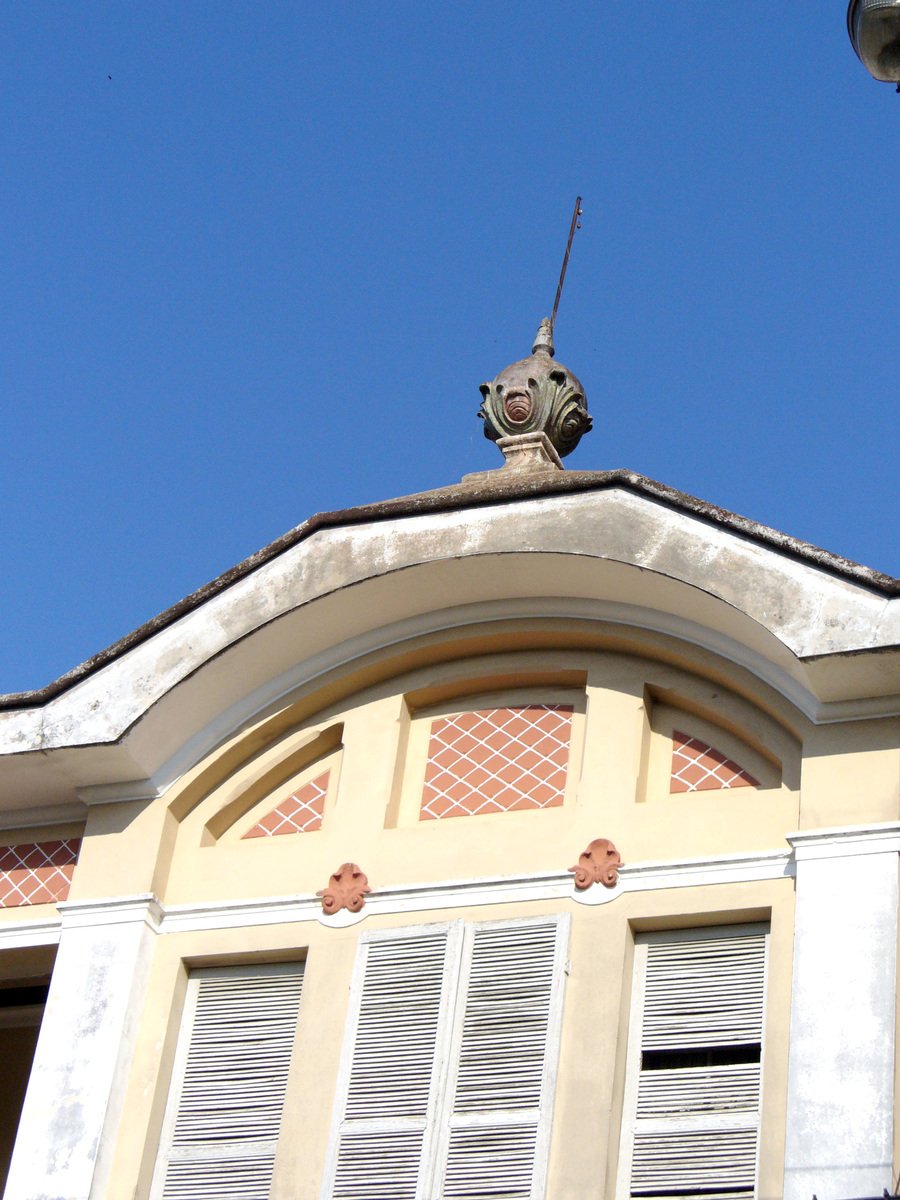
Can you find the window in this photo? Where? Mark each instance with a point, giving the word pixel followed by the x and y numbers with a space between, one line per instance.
pixel 694 1061
pixel 231 1066
pixel 449 1063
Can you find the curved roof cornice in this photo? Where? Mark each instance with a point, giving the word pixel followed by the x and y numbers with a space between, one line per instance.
pixel 610 549
pixel 483 490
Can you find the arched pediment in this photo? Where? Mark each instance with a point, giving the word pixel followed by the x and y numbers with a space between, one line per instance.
pixel 351 590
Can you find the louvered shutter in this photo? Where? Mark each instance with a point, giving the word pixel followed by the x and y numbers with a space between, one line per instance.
pixel 231 1068
pixel 504 1060
pixel 397 1040
pixel 694 1069
pixel 450 1062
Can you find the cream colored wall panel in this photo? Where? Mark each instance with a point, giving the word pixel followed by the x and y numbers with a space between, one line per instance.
pixel 851 774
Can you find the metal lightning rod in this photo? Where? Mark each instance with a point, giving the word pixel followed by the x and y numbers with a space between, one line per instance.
pixel 576 224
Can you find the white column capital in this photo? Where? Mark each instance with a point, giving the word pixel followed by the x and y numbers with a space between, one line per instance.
pixel 846 841
pixel 143 907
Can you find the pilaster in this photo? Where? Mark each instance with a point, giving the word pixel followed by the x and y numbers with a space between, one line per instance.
pixel 841 1065
pixel 76 1092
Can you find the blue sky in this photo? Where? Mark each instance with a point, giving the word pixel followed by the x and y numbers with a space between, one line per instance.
pixel 261 271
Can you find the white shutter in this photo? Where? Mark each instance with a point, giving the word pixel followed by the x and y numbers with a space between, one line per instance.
pixel 693 1091
pixel 668 1093
pixel 231 1067
pixel 500 1093
pixel 450 1062
pixel 706 992
pixel 396 1049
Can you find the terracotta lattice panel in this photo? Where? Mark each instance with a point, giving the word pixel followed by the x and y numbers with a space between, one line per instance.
pixel 301 812
pixel 37 872
pixel 497 760
pixel 697 767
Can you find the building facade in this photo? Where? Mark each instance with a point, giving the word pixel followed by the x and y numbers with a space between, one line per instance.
pixel 533 837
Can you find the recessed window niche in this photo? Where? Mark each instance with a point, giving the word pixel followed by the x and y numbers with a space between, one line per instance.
pixel 489 754
pixel 688 751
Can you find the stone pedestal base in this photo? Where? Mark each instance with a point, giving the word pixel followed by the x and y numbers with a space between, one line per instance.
pixel 523 452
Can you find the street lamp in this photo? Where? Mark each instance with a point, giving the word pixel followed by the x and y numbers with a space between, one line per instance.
pixel 874 28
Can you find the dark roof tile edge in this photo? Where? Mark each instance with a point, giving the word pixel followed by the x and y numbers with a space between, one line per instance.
pixel 479 491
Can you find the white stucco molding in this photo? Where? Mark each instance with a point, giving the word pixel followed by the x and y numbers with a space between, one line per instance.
pixel 842 842
pixel 142 908
pixel 456 893
pixel 275 689
pixel 806 608
pixel 467 893
pixel 115 910
pixel 847 841
pixel 24 934
pixel 116 793
pixel 38 817
pixel 411 898
pixel 753 867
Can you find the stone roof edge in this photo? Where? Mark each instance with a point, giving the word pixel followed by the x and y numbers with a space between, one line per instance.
pixel 477 491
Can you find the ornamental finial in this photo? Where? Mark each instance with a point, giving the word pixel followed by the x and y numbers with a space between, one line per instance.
pixel 535 396
pixel 536 409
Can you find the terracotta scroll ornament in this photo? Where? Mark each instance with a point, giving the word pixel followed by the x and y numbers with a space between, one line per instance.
pixel 598 864
pixel 347 888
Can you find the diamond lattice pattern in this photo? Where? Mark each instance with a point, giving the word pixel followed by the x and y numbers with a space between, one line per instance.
pixel 301 812
pixel 697 767
pixel 497 760
pixel 37 872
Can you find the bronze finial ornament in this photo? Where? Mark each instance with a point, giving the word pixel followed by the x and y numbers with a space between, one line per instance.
pixel 536 395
